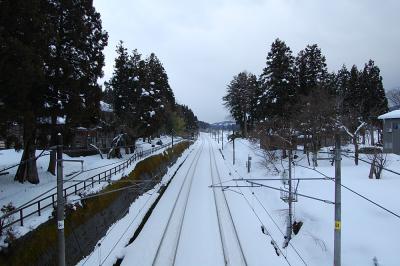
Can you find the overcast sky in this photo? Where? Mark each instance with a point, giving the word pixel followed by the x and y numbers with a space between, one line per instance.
pixel 204 43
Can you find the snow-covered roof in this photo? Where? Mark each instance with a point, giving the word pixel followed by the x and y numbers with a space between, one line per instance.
pixel 106 107
pixel 390 115
pixel 47 120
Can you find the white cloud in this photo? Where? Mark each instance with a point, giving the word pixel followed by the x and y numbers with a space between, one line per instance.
pixel 204 43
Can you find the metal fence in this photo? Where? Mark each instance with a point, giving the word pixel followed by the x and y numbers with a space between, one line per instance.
pixel 36 207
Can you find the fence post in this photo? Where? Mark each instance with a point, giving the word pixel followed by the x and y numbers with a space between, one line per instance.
pixel 21 216
pixel 38 203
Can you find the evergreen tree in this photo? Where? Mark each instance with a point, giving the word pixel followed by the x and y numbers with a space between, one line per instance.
pixel 23 44
pixel 342 80
pixel 73 64
pixel 120 82
pixel 313 82
pixel 157 99
pixel 238 98
pixel 311 70
pixel 352 96
pixel 375 101
pixel 277 84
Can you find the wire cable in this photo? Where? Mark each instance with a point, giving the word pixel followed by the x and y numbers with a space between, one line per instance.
pixel 355 192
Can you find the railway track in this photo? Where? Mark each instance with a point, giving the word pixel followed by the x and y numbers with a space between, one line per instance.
pixel 230 242
pixel 169 243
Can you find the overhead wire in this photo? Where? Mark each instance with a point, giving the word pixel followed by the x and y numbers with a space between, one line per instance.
pixel 259 219
pixel 355 192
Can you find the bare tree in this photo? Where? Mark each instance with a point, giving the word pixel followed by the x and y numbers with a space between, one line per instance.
pixel 378 162
pixel 394 96
pixel 354 136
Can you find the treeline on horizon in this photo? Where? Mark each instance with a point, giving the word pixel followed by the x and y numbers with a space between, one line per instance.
pixel 51 58
pixel 296 96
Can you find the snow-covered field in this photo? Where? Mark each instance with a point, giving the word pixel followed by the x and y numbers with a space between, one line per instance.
pixel 19 194
pixel 191 225
pixel 367 231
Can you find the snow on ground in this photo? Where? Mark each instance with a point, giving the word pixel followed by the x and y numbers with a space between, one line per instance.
pixel 19 194
pixel 204 236
pixel 367 231
pixel 111 246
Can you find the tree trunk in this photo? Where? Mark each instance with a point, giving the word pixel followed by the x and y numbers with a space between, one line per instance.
pixel 372 169
pixel 379 136
pixel 315 150
pixel 355 142
pixel 245 126
pixel 27 170
pixel 284 155
pixel 363 137
pixel 372 135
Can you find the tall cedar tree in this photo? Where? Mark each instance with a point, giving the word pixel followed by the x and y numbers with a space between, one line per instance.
pixel 120 83
pixel 311 69
pixel 73 64
pixel 277 83
pixel 312 78
pixel 142 97
pixel 375 102
pixel 52 56
pixel 342 80
pixel 157 98
pixel 23 44
pixel 238 98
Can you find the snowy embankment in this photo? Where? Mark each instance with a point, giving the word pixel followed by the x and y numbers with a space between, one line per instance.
pixel 367 231
pixel 21 193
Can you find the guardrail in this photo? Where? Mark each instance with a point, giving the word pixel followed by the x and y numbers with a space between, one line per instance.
pixel 38 206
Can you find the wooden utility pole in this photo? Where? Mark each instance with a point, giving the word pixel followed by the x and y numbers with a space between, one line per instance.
pixel 60 203
pixel 338 204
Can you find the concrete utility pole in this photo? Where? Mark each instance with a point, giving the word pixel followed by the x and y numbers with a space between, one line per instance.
pixel 60 203
pixel 338 203
pixel 172 135
pixel 290 196
pixel 290 199
pixel 233 143
pixel 222 142
pixel 248 163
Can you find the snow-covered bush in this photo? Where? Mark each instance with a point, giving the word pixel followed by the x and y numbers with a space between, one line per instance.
pixel 5 210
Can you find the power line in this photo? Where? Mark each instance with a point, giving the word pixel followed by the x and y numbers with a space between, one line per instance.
pixel 276 224
pixel 241 193
pixel 273 242
pixel 355 192
pixel 365 161
pixel 25 161
pixel 127 228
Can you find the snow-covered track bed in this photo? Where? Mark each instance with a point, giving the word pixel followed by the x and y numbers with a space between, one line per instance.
pixel 167 249
pixel 231 246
